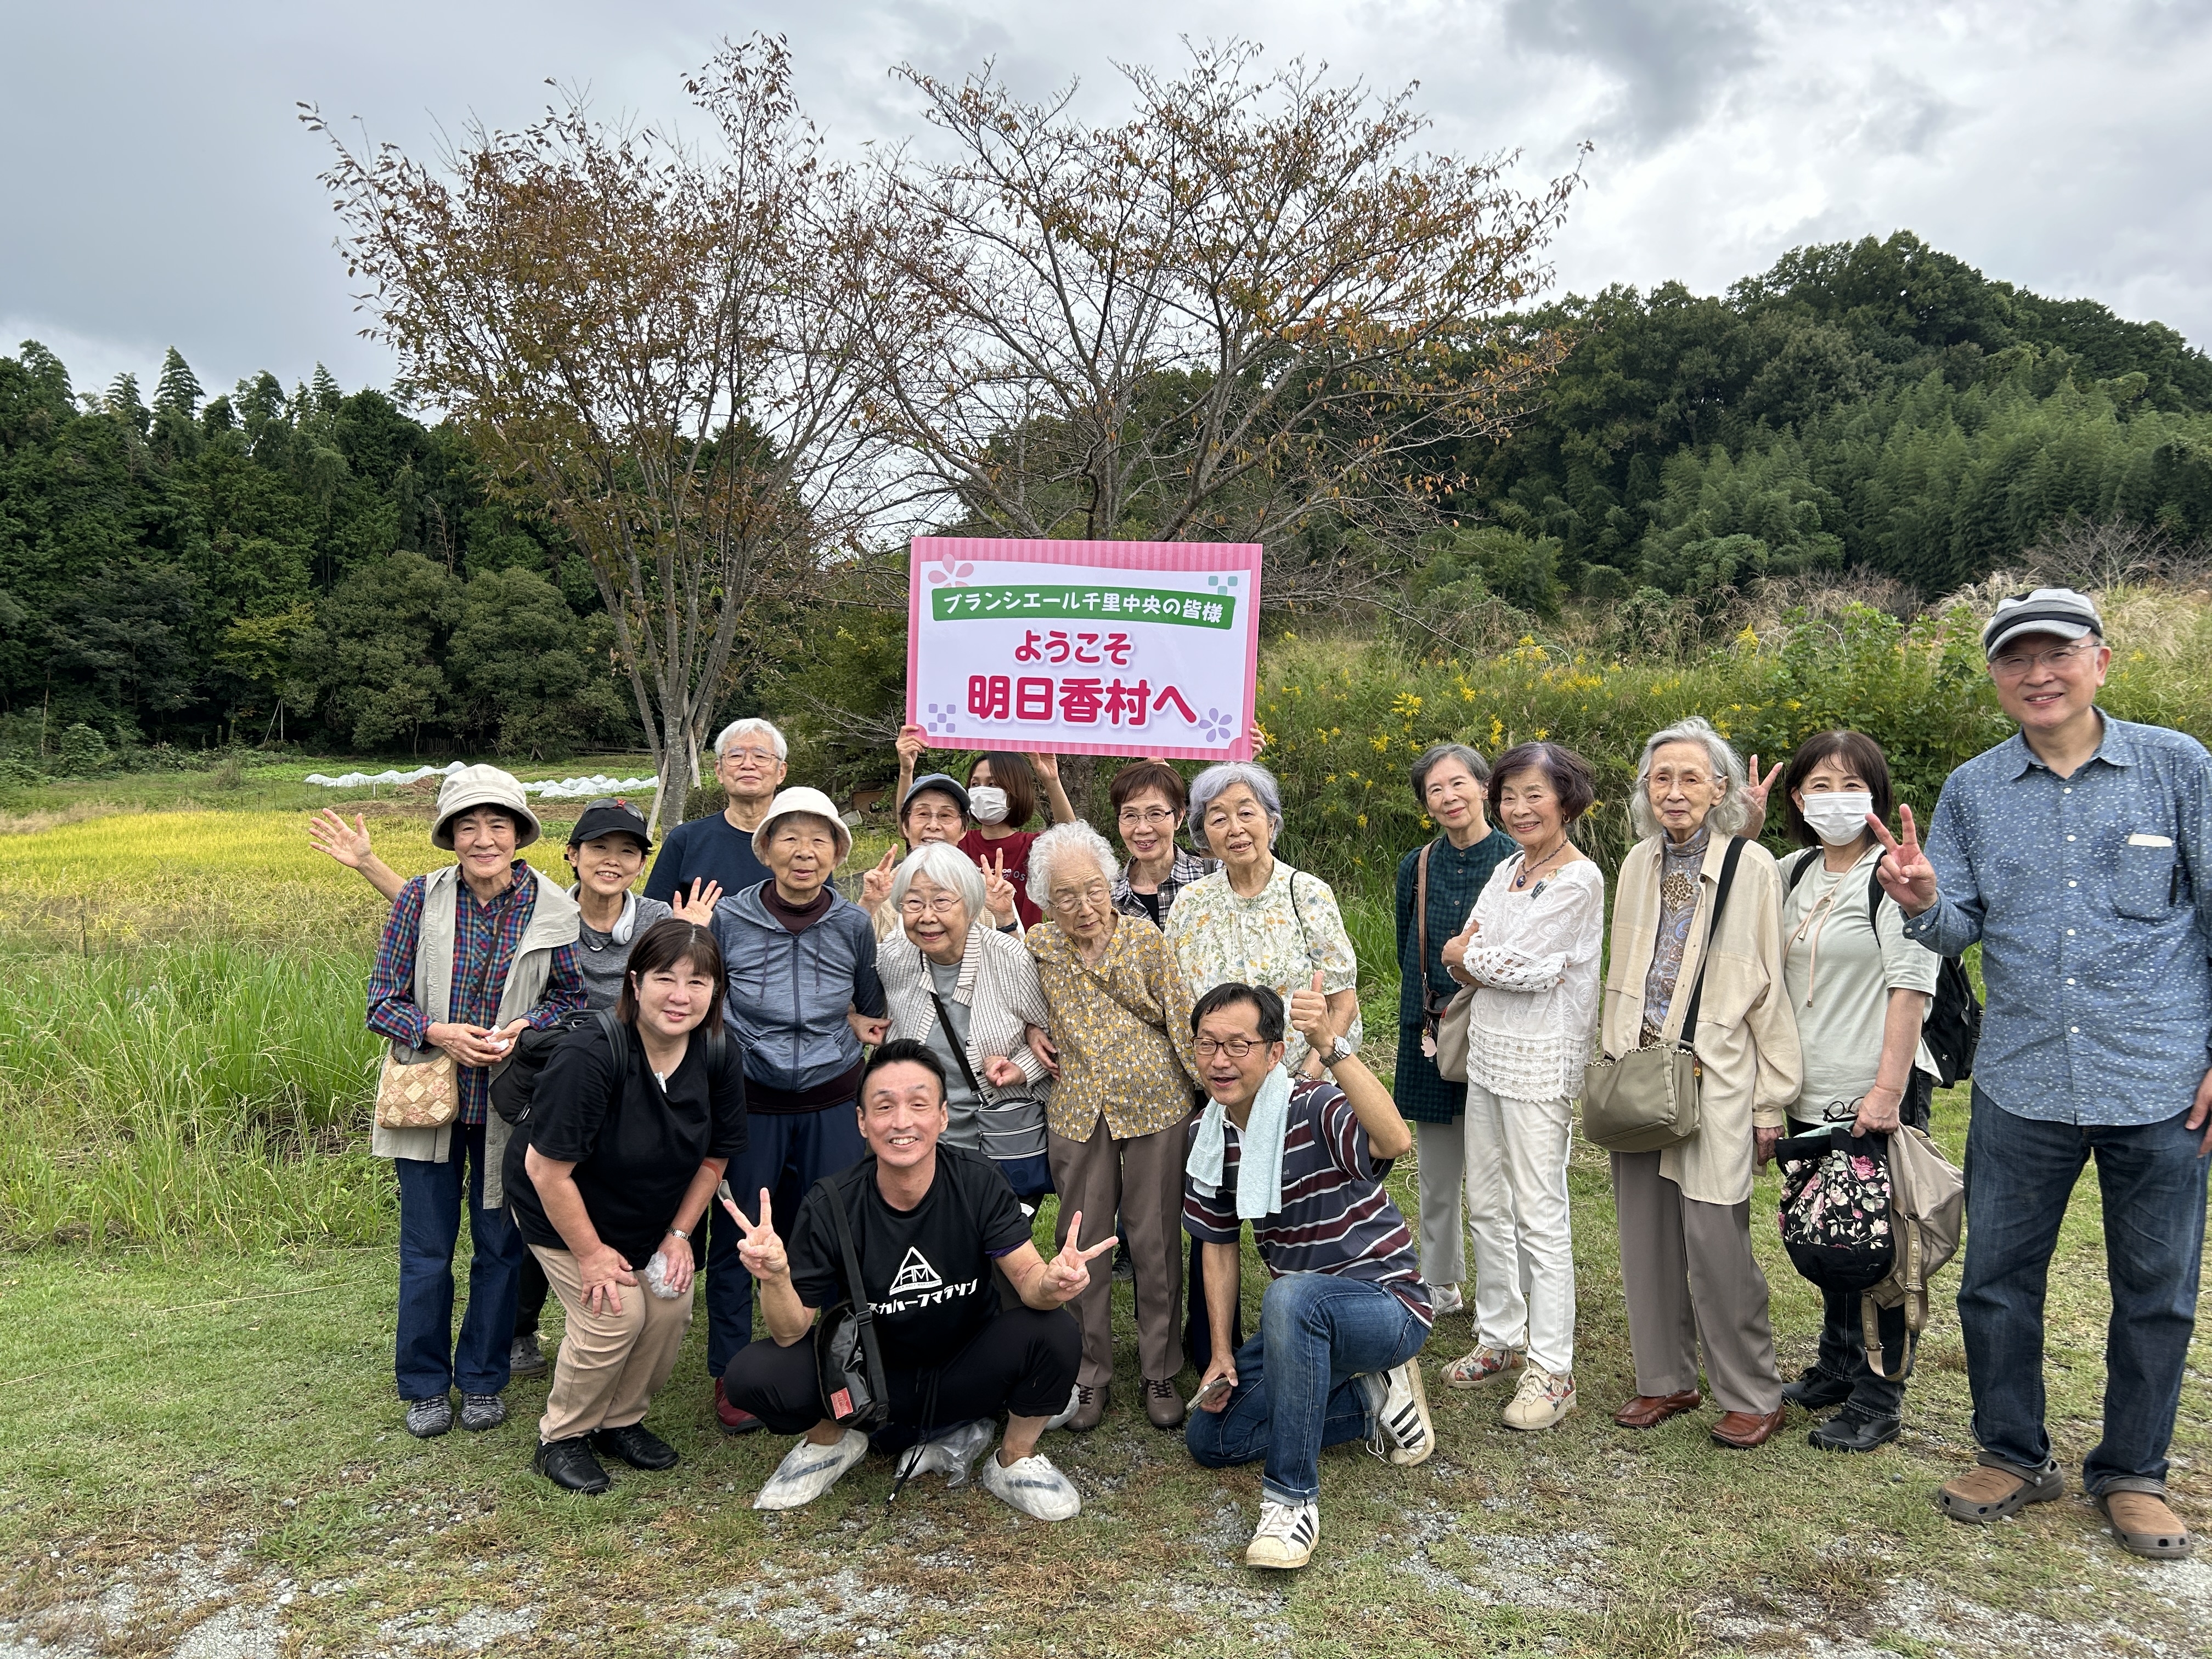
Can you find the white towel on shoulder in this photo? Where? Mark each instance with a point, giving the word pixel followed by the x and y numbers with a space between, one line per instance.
pixel 1260 1168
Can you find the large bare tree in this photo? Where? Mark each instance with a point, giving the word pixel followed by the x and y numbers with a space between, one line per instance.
pixel 1251 306
pixel 639 335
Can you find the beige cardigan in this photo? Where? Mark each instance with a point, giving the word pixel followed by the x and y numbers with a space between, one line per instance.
pixel 1747 1037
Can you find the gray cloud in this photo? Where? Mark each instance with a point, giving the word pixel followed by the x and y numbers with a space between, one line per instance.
pixel 1670 58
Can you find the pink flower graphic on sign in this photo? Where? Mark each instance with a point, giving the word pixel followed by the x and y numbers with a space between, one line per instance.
pixel 957 574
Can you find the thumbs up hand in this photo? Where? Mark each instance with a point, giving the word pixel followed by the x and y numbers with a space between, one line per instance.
pixel 1309 1014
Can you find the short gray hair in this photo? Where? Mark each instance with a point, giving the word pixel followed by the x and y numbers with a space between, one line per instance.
pixel 1217 780
pixel 945 865
pixel 1057 843
pixel 1731 813
pixel 750 725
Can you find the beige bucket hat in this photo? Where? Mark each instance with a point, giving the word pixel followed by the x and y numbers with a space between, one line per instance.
pixel 483 786
pixel 802 800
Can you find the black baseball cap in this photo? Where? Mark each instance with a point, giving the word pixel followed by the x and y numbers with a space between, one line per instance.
pixel 609 816
pixel 944 785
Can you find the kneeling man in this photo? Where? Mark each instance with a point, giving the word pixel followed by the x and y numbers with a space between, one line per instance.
pixel 1346 1312
pixel 927 1222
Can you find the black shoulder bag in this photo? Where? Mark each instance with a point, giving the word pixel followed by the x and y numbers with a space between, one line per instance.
pixel 847 1361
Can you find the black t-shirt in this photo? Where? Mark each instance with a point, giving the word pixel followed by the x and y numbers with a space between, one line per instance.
pixel 636 1151
pixel 706 847
pixel 927 1269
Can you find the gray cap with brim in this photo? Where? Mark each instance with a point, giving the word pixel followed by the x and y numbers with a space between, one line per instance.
pixel 2058 611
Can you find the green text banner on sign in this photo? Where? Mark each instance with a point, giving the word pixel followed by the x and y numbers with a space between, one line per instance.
pixel 1084 648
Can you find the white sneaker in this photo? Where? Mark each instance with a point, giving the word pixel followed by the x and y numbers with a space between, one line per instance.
pixel 1403 1431
pixel 808 1470
pixel 1286 1536
pixel 1447 1300
pixel 951 1452
pixel 1541 1402
pixel 1032 1485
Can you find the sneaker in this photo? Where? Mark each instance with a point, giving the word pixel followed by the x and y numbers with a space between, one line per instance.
pixel 952 1453
pixel 734 1419
pixel 480 1412
pixel 1286 1536
pixel 427 1418
pixel 808 1470
pixel 1400 1401
pixel 524 1357
pixel 1471 1370
pixel 1032 1485
pixel 1541 1401
pixel 1447 1300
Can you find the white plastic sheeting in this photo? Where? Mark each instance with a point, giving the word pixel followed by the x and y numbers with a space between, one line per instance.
pixel 552 789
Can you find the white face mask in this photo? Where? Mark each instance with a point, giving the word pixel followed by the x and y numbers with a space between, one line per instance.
pixel 1840 818
pixel 988 804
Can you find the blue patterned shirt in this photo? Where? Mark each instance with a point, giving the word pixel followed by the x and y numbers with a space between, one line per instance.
pixel 2082 892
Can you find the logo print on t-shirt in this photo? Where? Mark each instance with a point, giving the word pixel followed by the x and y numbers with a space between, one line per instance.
pixel 915 1274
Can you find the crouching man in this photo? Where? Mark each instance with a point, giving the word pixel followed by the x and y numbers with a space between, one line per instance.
pixel 1347 1313
pixel 927 1222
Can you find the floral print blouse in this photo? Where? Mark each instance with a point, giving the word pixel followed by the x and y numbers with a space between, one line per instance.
pixel 1277 938
pixel 1122 1029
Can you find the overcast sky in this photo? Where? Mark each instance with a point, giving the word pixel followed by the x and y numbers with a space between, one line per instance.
pixel 156 188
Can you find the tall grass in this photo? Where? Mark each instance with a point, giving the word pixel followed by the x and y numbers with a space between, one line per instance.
pixel 213 1091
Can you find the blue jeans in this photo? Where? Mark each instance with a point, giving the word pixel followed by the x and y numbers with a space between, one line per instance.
pixel 1295 1391
pixel 786 1152
pixel 427 1361
pixel 2020 1173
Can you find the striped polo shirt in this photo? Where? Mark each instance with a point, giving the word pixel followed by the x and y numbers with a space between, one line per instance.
pixel 1335 1218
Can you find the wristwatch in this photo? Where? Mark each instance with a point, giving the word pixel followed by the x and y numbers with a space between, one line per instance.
pixel 1338 1050
pixel 678 1232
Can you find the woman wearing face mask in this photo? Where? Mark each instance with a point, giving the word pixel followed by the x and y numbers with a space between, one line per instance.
pixel 1861 991
pixel 1002 798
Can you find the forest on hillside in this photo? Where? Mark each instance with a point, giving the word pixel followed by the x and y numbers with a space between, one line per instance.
pixel 187 572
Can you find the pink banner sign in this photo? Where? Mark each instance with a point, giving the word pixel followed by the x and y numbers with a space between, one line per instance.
pixel 1084 648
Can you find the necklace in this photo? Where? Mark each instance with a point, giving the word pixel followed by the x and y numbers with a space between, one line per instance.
pixel 1529 868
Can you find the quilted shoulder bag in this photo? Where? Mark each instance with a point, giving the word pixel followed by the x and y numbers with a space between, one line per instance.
pixel 419 1092
pixel 1647 1099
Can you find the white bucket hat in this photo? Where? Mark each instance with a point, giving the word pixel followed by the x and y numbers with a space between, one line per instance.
pixel 802 800
pixel 483 786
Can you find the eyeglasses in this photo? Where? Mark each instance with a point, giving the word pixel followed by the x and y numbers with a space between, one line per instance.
pixel 2014 665
pixel 1236 1048
pixel 762 757
pixel 944 904
pixel 1095 894
pixel 1147 820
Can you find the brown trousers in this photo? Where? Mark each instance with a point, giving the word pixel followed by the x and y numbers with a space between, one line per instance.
pixel 1689 1277
pixel 1142 1178
pixel 610 1365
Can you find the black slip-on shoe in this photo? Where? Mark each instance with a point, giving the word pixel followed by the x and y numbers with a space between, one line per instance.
pixel 1853 1431
pixel 636 1445
pixel 570 1465
pixel 1816 1391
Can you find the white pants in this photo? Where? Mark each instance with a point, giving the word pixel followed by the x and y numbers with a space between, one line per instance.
pixel 1516 1208
pixel 1442 1169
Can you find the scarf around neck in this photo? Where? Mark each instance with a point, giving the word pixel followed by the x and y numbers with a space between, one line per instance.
pixel 1259 1169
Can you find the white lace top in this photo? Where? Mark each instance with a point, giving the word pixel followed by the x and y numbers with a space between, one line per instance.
pixel 1535 964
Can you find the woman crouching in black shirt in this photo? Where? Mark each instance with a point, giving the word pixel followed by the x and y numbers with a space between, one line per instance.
pixel 928 1220
pixel 627 1138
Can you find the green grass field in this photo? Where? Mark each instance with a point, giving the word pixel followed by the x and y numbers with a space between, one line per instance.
pixel 205 1454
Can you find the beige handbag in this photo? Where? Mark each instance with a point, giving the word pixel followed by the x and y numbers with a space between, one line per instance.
pixel 417 1094
pixel 1647 1100
pixel 1443 1029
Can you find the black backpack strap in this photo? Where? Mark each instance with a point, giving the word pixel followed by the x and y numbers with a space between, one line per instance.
pixel 617 1041
pixel 856 1293
pixel 1798 866
pixel 1687 1032
pixel 1876 892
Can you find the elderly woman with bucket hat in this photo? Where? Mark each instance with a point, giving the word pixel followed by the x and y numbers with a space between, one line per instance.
pixel 471 954
pixel 800 957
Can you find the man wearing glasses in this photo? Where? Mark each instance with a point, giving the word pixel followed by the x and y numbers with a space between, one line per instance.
pixel 1346 1313
pixel 2073 851
pixel 749 764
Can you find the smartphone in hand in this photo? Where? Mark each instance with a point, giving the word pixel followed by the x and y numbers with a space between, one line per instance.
pixel 1210 1394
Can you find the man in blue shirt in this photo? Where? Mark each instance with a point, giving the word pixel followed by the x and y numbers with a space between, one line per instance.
pixel 749 763
pixel 2074 853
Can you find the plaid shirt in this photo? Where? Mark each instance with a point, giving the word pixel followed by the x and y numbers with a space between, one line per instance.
pixel 1187 868
pixel 485 938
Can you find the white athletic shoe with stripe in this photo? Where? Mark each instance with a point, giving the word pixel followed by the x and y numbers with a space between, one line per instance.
pixel 1403 1431
pixel 1286 1536
pixel 808 1470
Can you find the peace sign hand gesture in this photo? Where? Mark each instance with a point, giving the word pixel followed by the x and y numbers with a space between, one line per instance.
pixel 876 884
pixel 1905 875
pixel 998 892
pixel 1066 1276
pixel 760 1250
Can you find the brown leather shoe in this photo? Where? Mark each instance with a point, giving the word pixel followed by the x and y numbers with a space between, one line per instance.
pixel 1649 1410
pixel 1163 1405
pixel 2144 1523
pixel 1744 1429
pixel 1090 1408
